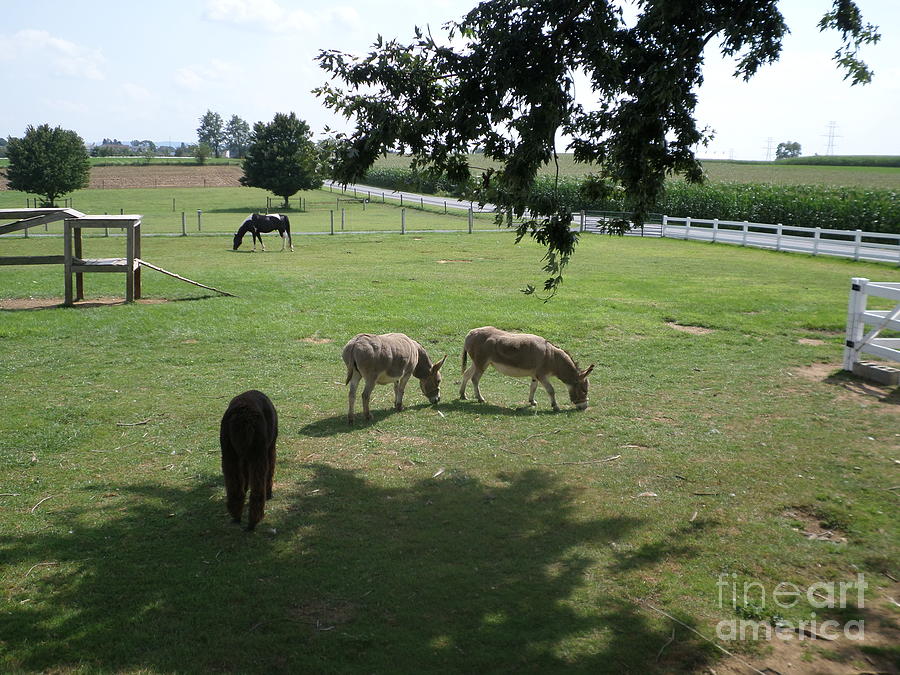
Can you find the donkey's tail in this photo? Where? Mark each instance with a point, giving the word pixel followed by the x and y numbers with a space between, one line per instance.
pixel 351 366
pixel 465 356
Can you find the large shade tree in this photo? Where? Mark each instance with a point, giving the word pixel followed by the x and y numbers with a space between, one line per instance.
pixel 504 82
pixel 49 162
pixel 281 157
pixel 211 131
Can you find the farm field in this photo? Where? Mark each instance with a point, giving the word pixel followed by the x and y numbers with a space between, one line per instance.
pixel 740 172
pixel 721 442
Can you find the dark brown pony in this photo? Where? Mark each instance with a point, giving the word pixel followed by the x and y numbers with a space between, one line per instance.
pixel 247 435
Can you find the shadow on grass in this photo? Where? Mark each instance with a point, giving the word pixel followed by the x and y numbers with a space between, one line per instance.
pixel 337 424
pixel 863 387
pixel 452 576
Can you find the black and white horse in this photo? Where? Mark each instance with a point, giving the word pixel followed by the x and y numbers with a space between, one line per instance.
pixel 258 222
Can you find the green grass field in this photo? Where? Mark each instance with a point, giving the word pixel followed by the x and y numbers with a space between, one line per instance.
pixel 453 538
pixel 224 209
pixel 739 172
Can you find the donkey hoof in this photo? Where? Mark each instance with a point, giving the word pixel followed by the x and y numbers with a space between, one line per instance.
pixel 532 403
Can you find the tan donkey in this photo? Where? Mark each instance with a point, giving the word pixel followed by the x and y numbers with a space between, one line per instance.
pixel 522 355
pixel 385 359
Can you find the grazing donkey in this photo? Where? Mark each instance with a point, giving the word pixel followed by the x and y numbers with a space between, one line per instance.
pixel 522 355
pixel 247 435
pixel 382 359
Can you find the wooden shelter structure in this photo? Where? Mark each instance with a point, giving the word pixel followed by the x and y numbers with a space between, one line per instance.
pixel 72 258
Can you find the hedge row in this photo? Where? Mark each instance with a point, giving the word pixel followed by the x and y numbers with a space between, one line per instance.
pixel 844 160
pixel 839 208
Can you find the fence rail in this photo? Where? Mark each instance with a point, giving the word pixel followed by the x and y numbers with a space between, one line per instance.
pixel 855 244
pixel 859 342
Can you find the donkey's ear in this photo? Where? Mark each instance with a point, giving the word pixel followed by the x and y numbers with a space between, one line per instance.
pixel 587 372
pixel 437 366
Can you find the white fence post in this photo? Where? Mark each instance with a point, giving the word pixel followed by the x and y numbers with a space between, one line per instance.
pixel 855 325
pixel 778 237
pixel 687 227
pixel 715 229
pixel 581 227
pixel 816 237
pixel 745 228
pixel 662 231
pixel 857 240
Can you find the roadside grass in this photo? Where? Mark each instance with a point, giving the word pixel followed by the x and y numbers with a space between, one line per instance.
pixel 222 210
pixel 725 171
pixel 458 537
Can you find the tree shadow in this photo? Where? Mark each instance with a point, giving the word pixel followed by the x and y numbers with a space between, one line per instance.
pixel 436 575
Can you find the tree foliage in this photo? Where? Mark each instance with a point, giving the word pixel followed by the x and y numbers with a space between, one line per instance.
pixel 281 157
pixel 237 135
pixel 48 162
pixel 787 149
pixel 506 87
pixel 211 131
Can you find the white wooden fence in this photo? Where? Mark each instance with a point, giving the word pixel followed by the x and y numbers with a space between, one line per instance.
pixel 855 244
pixel 858 317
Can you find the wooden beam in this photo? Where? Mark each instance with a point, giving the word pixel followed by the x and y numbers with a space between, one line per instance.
pixel 32 260
pixel 31 217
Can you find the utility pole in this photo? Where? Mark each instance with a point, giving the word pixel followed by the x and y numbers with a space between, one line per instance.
pixel 769 142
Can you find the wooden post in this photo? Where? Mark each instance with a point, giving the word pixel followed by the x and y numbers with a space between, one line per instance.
pixel 471 220
pixel 129 264
pixel 855 325
pixel 79 276
pixel 67 261
pixel 402 221
pixel 137 255
pixel 183 228
pixel 331 216
pixel 199 214
pixel 343 218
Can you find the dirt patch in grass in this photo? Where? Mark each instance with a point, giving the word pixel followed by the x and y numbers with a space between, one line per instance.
pixel 693 330
pixel 811 341
pixel 813 525
pixel 316 340
pixel 444 262
pixel 854 388
pixel 873 649
pixel 325 615
pixel 25 304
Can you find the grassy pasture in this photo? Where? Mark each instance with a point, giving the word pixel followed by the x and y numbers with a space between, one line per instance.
pixel 224 209
pixel 727 171
pixel 462 537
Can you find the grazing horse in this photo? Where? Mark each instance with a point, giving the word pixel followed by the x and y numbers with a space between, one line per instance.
pixel 258 222
pixel 247 435
pixel 523 355
pixel 390 358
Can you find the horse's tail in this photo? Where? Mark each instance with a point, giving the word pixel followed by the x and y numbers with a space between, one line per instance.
pixel 287 223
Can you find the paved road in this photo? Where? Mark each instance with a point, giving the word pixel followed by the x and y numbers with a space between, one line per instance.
pixel 881 252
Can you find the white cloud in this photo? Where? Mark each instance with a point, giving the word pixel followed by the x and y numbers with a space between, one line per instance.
pixel 214 73
pixel 136 92
pixel 38 48
pixel 270 16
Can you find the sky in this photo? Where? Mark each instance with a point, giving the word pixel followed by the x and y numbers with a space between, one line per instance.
pixel 150 70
